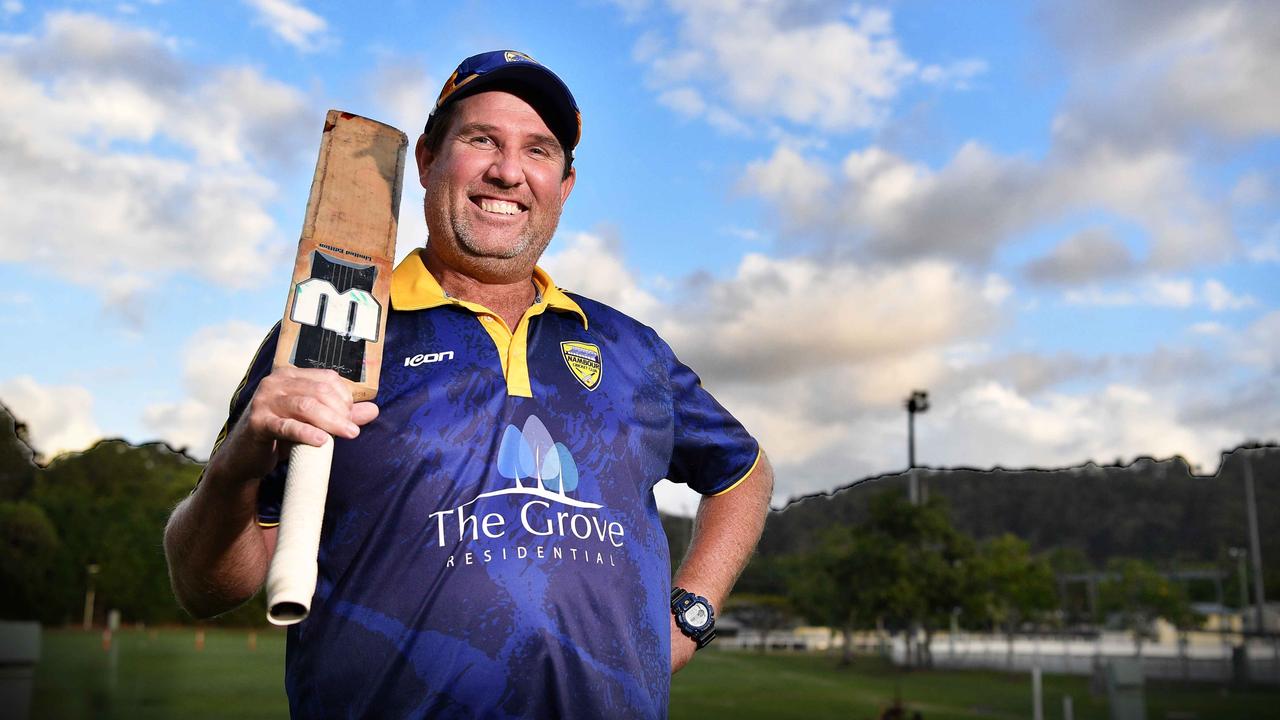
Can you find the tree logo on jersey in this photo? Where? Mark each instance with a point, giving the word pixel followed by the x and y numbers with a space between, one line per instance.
pixel 531 456
pixel 583 360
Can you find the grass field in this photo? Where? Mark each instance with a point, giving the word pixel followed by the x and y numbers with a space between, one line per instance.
pixel 159 674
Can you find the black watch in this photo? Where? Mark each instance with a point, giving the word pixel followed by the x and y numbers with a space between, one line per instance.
pixel 694 616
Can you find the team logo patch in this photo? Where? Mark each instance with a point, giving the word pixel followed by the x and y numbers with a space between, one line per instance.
pixel 583 360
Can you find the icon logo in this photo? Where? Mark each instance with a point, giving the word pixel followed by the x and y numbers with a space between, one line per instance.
pixel 583 360
pixel 427 358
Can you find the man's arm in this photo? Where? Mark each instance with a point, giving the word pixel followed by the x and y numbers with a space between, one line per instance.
pixel 725 532
pixel 218 555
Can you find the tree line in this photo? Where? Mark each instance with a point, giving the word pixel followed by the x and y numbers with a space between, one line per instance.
pixel 851 560
pixel 908 568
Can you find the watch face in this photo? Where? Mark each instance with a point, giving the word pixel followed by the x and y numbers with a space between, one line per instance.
pixel 696 615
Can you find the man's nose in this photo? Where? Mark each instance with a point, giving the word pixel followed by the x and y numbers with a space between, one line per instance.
pixel 506 169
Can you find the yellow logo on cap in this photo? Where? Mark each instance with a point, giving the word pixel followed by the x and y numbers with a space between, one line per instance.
pixel 513 56
pixel 583 360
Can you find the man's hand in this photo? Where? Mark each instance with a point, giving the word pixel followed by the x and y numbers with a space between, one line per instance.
pixel 217 553
pixel 292 406
pixel 682 648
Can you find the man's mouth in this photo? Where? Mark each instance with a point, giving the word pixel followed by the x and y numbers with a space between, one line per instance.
pixel 499 207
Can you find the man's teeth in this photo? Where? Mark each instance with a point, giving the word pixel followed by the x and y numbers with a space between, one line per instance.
pixel 503 207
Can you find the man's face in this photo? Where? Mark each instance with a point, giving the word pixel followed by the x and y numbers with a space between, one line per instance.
pixel 495 188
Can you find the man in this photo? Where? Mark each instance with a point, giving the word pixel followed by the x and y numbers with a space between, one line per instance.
pixel 491 545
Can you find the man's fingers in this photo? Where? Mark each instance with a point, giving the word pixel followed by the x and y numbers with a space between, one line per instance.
pixel 295 431
pixel 319 414
pixel 363 413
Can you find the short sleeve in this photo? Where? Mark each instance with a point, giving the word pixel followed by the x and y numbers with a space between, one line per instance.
pixel 271 489
pixel 712 452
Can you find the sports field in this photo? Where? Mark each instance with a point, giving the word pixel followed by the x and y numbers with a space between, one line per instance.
pixel 161 674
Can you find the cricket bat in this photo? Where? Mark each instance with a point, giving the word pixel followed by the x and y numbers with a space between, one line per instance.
pixel 335 318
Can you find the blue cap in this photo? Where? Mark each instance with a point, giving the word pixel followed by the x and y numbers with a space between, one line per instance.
pixel 548 93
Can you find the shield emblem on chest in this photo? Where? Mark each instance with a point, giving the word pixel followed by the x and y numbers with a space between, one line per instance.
pixel 583 360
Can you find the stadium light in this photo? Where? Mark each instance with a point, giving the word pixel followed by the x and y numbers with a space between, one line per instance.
pixel 918 402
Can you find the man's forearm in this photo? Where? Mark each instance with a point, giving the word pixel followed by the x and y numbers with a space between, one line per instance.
pixel 217 553
pixel 725 533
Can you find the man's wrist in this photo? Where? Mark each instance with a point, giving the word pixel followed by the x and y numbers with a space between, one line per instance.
pixel 694 616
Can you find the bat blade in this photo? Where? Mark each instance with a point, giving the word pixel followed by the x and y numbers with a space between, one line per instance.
pixel 335 318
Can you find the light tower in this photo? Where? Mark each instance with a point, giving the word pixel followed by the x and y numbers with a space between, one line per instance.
pixel 918 402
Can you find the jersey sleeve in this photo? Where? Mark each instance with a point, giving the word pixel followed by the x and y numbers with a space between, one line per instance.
pixel 271 488
pixel 712 452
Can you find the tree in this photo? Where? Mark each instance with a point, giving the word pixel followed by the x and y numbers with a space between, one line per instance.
pixel 17 465
pixel 1015 587
pixel 109 505
pixel 849 582
pixel 1140 594
pixel 905 565
pixel 28 548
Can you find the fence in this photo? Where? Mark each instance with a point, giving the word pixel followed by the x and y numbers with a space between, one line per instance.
pixel 1202 662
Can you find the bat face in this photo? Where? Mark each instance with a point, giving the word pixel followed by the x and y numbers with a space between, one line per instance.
pixel 338 303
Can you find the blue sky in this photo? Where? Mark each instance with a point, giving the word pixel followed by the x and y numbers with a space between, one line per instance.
pixel 1060 218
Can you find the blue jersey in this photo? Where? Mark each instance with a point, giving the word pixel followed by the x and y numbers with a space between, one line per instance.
pixel 491 546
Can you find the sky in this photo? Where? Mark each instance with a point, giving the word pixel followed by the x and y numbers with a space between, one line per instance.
pixel 1059 218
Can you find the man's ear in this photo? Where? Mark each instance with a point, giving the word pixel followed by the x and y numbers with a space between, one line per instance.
pixel 566 185
pixel 424 158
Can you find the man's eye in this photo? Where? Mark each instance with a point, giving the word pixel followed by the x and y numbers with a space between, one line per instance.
pixel 482 140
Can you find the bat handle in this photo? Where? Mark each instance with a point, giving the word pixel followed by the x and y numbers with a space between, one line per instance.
pixel 291 580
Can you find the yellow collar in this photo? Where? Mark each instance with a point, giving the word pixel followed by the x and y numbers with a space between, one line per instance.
pixel 413 287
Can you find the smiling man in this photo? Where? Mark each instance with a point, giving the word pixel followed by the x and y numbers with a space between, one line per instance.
pixel 491 544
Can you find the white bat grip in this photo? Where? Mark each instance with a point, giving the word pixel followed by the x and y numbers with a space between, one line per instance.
pixel 291 581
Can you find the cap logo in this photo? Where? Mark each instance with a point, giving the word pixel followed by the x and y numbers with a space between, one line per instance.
pixel 514 56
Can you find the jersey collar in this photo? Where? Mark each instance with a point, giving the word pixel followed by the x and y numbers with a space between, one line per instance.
pixel 413 287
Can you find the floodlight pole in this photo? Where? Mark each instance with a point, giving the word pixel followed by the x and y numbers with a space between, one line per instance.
pixel 1255 547
pixel 918 402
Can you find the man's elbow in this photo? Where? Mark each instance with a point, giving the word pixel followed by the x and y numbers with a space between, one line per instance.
pixel 192 584
pixel 761 480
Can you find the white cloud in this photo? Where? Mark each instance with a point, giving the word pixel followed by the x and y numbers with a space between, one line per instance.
pixel 1163 292
pixel 891 207
pixel 1207 328
pixel 120 162
pixel 957 75
pixel 11 8
pixel 214 361
pixel 291 22
pixel 991 424
pixel 1152 75
pixel 593 266
pixel 1088 255
pixel 818 65
pixel 1220 298
pixel 403 93
pixel 1253 188
pixel 786 317
pixel 1269 249
pixel 59 418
